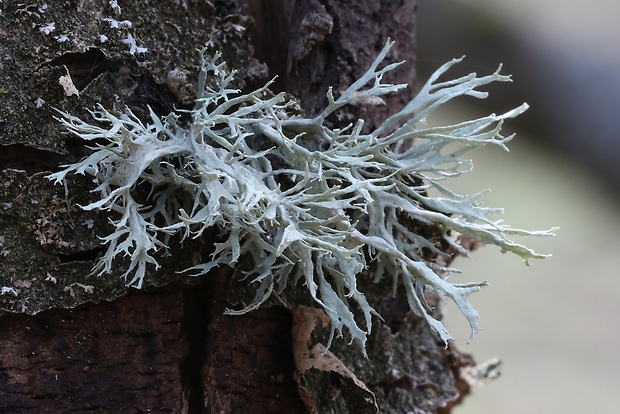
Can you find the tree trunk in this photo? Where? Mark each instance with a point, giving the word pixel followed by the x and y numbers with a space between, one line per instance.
pixel 72 341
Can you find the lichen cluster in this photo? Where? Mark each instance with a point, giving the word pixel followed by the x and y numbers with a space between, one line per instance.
pixel 296 198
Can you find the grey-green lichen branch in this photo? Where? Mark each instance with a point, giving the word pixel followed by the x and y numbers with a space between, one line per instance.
pixel 297 198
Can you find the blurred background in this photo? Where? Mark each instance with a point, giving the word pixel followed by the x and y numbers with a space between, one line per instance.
pixel 554 324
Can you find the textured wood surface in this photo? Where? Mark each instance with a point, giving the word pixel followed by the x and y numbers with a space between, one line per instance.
pixel 120 356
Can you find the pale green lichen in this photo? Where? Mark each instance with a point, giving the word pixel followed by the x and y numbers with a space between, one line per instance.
pixel 297 198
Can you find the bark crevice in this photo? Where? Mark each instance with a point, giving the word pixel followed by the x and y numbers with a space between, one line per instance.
pixel 196 316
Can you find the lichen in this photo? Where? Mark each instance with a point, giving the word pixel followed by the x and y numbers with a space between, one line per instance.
pixel 298 199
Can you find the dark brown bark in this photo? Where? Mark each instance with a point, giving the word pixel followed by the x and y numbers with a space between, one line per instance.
pixel 332 43
pixel 171 348
pixel 112 357
pixel 248 365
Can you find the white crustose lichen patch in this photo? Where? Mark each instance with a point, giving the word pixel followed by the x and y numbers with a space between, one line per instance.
pixel 297 212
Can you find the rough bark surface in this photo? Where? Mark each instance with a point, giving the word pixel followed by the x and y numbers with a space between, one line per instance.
pixel 113 357
pixel 248 366
pixel 332 43
pixel 73 342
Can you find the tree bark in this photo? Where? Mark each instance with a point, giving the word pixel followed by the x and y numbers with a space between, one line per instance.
pixel 71 341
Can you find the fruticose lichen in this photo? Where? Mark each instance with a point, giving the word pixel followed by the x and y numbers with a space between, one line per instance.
pixel 297 198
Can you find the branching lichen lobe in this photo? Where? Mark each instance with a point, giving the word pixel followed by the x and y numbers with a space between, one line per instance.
pixel 346 205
